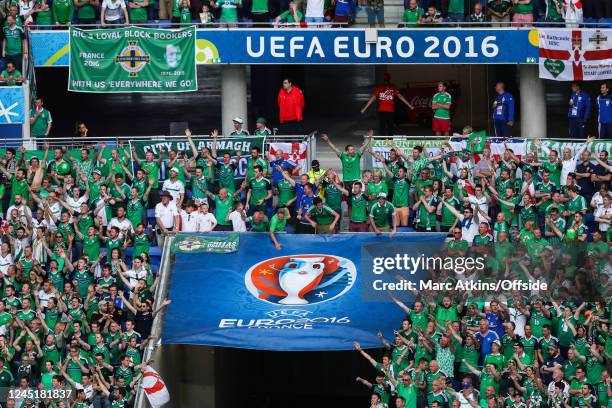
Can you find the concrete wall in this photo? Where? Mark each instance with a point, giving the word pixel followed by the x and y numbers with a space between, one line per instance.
pixel 189 373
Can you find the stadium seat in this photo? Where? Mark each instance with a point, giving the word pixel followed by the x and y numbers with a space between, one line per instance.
pixel 160 23
pixel 405 229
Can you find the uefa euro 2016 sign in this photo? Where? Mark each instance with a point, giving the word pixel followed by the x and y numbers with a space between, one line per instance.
pixel 317 293
pixel 332 46
pixel 132 59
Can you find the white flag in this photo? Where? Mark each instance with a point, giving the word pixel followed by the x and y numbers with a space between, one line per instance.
pixel 155 388
pixel 575 55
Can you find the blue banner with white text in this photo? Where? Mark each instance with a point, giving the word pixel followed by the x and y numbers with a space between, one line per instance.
pixel 316 293
pixel 337 46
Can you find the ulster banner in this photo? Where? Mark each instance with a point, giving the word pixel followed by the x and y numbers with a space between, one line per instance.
pixel 575 55
pixel 132 59
pixel 294 153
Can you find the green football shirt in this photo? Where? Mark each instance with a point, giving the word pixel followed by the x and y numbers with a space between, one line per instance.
pixel 259 190
pixel 14 40
pixel 443 98
pixel 359 208
pixel 322 216
pixel 351 166
pixel 39 127
pixel 380 213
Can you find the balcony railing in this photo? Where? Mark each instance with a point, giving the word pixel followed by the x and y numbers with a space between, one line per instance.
pixel 391 23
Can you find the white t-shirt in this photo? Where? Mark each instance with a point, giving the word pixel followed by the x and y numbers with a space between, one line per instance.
pixel 469 229
pixel 24 8
pixel 114 9
pixel 464 402
pixel 528 188
pixel 89 392
pixel 44 297
pixel 166 214
pixel 5 262
pixel 314 8
pixel 598 199
pixel 189 221
pixel 56 210
pixel 551 389
pixel 102 213
pixel 479 203
pixel 75 205
pixel 174 188
pixel 124 226
pixel 135 275
pixel 206 222
pixel 600 212
pixel 23 210
pixel 238 223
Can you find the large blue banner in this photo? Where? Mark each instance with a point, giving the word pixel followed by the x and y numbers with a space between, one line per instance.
pixel 337 46
pixel 12 112
pixel 314 294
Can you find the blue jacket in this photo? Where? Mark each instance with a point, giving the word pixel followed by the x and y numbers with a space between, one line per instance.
pixel 504 110
pixel 604 103
pixel 580 106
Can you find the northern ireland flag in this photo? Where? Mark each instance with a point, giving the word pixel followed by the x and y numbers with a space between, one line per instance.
pixel 575 55
pixel 294 153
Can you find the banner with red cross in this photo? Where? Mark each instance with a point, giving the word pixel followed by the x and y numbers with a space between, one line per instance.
pixel 575 55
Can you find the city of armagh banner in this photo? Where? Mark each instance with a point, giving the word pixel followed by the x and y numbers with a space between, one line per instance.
pixel 231 145
pixel 132 59
pixel 575 55
pixel 319 292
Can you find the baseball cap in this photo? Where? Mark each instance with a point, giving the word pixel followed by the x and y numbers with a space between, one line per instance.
pixel 96 171
pixel 497 342
pixel 382 195
pixel 174 169
pixel 260 120
pixel 238 119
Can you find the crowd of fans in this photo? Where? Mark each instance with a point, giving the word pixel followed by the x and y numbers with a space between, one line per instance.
pixel 62 13
pixel 532 220
pixel 543 216
pixel 77 278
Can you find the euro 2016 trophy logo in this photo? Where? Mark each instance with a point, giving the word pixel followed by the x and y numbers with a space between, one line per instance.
pixel 299 280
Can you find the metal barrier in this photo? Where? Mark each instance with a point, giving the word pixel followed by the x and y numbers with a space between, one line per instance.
pixel 76 142
pixel 29 72
pixel 366 159
pixel 604 23
pixel 165 271
pixel 212 25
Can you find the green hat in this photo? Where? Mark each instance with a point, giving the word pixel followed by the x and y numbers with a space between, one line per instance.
pixel 261 120
pixel 96 171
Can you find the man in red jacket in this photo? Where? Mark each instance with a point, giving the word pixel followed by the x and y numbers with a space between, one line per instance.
pixel 291 104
